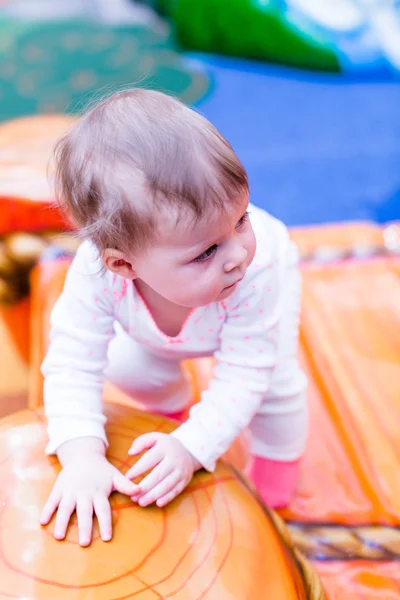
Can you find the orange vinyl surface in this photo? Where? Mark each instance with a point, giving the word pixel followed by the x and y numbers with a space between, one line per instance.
pixel 215 542
pixel 351 348
pixel 351 470
pixel 361 580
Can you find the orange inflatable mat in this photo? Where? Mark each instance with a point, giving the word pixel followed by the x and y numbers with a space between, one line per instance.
pixel 346 514
pixel 215 542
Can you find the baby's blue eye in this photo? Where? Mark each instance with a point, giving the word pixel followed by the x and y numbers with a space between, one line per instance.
pixel 207 253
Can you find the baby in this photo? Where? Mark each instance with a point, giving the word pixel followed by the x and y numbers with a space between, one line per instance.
pixel 175 264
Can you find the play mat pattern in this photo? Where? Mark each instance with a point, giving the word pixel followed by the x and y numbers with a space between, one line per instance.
pixel 59 66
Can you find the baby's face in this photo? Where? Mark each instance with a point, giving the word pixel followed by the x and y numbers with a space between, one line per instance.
pixel 194 266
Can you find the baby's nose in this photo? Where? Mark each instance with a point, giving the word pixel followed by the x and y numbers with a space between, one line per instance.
pixel 236 259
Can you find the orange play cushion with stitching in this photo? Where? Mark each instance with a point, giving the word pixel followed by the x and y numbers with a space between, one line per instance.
pixel 214 542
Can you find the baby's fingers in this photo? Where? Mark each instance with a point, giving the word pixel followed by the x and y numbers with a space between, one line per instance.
pixel 84 512
pixel 169 496
pixel 156 476
pixel 102 509
pixel 145 463
pixel 64 512
pixel 160 490
pixel 50 507
pixel 144 442
pixel 123 485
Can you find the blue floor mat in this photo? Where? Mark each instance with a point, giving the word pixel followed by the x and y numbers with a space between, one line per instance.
pixel 317 148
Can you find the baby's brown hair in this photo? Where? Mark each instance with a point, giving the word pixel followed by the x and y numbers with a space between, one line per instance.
pixel 136 153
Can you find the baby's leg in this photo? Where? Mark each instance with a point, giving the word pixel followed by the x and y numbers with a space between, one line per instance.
pixel 279 429
pixel 157 383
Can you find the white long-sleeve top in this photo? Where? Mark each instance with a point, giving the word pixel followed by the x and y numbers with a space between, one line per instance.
pixel 240 332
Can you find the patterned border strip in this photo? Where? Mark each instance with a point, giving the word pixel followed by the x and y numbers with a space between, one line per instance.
pixel 330 542
pixel 362 251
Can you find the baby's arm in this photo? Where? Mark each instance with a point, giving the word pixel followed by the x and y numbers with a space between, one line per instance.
pixel 245 362
pixel 81 327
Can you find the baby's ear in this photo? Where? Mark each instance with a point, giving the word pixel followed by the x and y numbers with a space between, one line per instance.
pixel 118 263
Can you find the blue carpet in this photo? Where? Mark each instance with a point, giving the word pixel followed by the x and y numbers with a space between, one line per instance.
pixel 317 148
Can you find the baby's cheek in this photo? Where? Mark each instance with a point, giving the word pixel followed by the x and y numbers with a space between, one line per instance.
pixel 251 247
pixel 198 288
pixel 199 297
pixel 182 292
pixel 192 287
pixel 208 290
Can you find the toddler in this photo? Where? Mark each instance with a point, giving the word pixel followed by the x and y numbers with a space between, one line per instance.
pixel 175 264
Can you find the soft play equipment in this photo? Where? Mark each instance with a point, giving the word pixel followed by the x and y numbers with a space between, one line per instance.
pixel 345 517
pixel 349 35
pixel 28 223
pixel 215 542
pixel 26 145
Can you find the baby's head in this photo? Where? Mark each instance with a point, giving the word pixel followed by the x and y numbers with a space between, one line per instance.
pixel 161 194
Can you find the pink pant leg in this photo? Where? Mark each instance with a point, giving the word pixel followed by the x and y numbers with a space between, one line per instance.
pixel 274 480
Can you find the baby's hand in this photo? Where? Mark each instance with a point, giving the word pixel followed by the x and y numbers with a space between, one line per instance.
pixel 172 468
pixel 84 485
